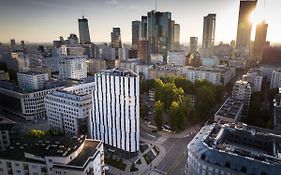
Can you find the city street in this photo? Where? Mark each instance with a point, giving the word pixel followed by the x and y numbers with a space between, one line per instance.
pixel 26 126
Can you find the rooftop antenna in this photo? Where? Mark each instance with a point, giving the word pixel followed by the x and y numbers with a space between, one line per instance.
pixel 156 5
pixel 83 14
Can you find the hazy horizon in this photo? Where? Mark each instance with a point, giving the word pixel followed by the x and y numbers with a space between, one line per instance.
pixel 38 21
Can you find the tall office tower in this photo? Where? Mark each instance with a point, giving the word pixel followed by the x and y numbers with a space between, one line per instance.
pixel 135 32
pixel 159 32
pixel 68 109
pixel 22 45
pixel 143 50
pixel 13 43
pixel 143 27
pixel 260 40
pixel 209 28
pixel 116 118
pixel 84 33
pixel 72 67
pixel 116 40
pixel 176 37
pixel 193 44
pixel 243 38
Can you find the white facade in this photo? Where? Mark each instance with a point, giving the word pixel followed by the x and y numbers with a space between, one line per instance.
pixel 27 105
pixel 266 71
pixel 32 80
pixel 143 69
pixel 71 50
pixel 129 63
pixel 78 157
pixel 210 62
pixel 255 78
pixel 19 61
pixel 237 63
pixel 68 109
pixel 72 68
pixel 217 76
pixel 116 118
pixel 275 79
pixel 242 91
pixel 177 58
pixel 123 53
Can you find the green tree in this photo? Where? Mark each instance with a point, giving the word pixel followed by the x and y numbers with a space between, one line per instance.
pixel 205 101
pixel 159 108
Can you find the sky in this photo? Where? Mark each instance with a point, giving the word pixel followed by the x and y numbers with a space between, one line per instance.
pixel 46 20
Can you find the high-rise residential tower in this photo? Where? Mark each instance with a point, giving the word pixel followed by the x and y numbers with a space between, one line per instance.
pixel 260 40
pixel 84 33
pixel 135 32
pixel 243 38
pixel 115 118
pixel 193 44
pixel 209 27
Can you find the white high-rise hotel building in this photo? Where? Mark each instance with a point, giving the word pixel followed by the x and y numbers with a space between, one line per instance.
pixel 116 118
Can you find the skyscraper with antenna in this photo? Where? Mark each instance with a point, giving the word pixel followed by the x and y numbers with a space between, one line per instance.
pixel 84 33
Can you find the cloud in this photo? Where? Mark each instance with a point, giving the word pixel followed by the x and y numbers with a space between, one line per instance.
pixel 112 2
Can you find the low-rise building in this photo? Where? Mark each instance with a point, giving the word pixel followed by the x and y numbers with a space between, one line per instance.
pixel 239 63
pixel 29 105
pixel 158 71
pixel 177 58
pixel 277 111
pixel 95 65
pixel 68 109
pixel 275 79
pixel 230 111
pixel 4 75
pixel 31 81
pixel 233 150
pixel 255 78
pixel 7 132
pixel 215 75
pixel 53 155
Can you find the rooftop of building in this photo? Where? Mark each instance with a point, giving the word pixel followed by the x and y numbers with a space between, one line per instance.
pixel 230 108
pixel 31 73
pixel 51 146
pixel 120 72
pixel 5 121
pixel 242 82
pixel 209 69
pixel 11 86
pixel 233 146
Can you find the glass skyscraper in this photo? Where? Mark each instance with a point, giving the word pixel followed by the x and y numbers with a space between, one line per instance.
pixel 84 33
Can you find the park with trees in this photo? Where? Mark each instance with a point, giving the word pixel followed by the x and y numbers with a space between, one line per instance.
pixel 172 98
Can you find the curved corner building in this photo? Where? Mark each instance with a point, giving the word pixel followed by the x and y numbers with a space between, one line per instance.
pixel 232 150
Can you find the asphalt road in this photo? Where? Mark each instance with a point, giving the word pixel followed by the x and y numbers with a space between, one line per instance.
pixel 24 125
pixel 175 159
pixel 148 134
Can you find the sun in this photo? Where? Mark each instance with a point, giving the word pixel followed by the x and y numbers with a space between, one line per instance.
pixel 256 17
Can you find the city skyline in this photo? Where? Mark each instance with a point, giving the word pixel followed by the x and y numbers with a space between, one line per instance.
pixel 60 18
